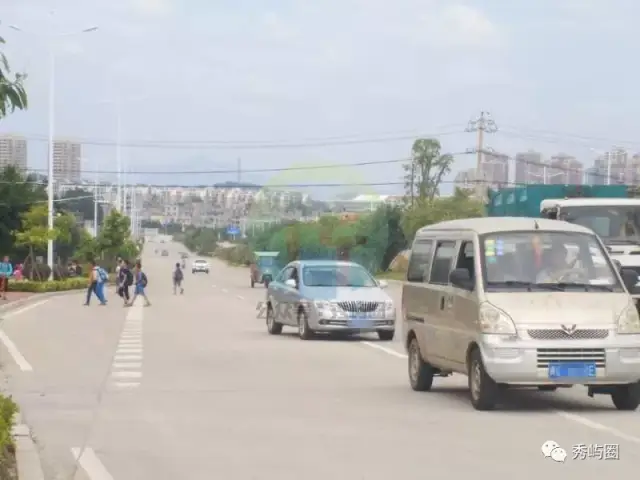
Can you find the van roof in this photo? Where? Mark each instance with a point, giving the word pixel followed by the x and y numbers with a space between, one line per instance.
pixel 503 224
pixel 588 202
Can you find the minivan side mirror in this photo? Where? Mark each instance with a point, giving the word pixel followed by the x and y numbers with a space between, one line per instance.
pixel 629 277
pixel 461 278
pixel 617 264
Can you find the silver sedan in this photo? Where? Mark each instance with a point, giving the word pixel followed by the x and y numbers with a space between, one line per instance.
pixel 326 296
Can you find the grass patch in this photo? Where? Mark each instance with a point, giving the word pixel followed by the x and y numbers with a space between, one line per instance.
pixel 8 410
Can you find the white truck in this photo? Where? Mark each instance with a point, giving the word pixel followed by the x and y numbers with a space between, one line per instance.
pixel 615 220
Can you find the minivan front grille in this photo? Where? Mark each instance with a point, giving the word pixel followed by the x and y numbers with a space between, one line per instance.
pixel 359 307
pixel 557 334
pixel 561 355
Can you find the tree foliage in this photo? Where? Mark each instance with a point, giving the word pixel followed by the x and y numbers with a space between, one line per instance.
pixel 81 201
pixel 425 170
pixel 114 238
pixel 12 93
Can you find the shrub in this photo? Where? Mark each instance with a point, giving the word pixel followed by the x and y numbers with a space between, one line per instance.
pixel 236 255
pixel 8 410
pixel 48 286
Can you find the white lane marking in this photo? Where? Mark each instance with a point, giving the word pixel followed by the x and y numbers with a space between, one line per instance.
pixel 126 374
pixel 566 415
pixel 240 297
pixel 213 286
pixel 127 384
pixel 26 308
pixel 120 358
pixel 224 290
pixel 125 343
pixel 128 350
pixel 126 365
pixel 91 464
pixel 386 350
pixel 597 426
pixel 15 353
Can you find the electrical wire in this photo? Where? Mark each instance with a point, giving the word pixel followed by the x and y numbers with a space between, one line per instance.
pixel 249 145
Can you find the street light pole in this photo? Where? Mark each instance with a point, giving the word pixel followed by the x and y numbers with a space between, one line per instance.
pixel 51 180
pixel 119 154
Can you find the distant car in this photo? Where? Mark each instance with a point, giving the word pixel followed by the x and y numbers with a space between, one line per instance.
pixel 165 253
pixel 200 266
pixel 328 296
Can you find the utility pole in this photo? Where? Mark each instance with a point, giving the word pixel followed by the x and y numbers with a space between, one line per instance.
pixel 482 124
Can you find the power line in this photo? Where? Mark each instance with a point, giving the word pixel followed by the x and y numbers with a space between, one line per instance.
pixel 483 124
pixel 246 145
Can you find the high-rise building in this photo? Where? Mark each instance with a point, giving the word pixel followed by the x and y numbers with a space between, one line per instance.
pixel 565 170
pixel 530 168
pixel 13 151
pixel 495 169
pixel 67 164
pixel 614 167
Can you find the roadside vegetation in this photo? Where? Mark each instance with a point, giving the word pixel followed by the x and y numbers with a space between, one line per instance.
pixel 374 239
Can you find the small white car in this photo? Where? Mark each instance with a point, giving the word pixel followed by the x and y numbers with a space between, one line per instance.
pixel 200 266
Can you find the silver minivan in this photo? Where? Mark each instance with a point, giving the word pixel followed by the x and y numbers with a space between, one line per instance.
pixel 520 302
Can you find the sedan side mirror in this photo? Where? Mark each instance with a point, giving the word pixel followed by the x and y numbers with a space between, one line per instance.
pixel 291 283
pixel 461 278
pixel 383 283
pixel 629 278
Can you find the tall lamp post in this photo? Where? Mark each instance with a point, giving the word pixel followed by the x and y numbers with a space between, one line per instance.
pixel 52 71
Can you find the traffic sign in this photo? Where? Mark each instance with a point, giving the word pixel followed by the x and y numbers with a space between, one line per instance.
pixel 233 230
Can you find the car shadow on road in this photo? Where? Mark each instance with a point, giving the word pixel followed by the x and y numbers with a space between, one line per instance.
pixel 334 337
pixel 526 400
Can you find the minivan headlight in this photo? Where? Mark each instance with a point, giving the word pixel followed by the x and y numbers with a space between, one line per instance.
pixel 495 322
pixel 629 320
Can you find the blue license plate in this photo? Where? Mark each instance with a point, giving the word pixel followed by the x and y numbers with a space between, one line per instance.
pixel 572 370
pixel 359 323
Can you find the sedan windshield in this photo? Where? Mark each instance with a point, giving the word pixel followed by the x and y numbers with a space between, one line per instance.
pixel 337 276
pixel 538 261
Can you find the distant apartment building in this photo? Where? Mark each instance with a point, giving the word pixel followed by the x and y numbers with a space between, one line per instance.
pixel 565 170
pixel 465 179
pixel 614 167
pixel 495 170
pixel 13 151
pixel 67 161
pixel 530 168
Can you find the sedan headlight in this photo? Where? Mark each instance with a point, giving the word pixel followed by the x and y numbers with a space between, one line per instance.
pixel 629 320
pixel 327 309
pixel 495 322
pixel 387 309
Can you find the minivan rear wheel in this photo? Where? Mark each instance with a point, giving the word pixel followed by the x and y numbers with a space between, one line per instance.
pixel 482 388
pixel 626 397
pixel 420 372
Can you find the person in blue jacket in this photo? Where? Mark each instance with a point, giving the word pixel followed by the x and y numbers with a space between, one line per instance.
pixel 6 270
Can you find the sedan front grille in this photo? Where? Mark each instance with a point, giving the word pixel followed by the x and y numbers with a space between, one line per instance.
pixel 359 307
pixel 556 334
pixel 570 355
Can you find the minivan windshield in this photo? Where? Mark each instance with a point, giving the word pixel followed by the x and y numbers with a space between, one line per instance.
pixel 543 260
pixel 338 276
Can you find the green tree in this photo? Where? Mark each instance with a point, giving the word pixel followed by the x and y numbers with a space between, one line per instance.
pixel 35 233
pixel 17 195
pixel 12 92
pixel 81 201
pixel 114 237
pixel 69 236
pixel 425 170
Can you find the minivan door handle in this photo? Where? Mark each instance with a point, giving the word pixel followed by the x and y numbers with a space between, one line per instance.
pixel 441 303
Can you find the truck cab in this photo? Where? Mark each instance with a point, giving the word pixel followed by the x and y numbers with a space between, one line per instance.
pixel 615 220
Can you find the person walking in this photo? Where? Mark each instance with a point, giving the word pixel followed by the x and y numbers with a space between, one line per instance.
pixel 125 280
pixel 141 283
pixel 178 277
pixel 6 270
pixel 93 287
pixel 118 266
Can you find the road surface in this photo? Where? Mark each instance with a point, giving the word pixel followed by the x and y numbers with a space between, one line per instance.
pixel 194 388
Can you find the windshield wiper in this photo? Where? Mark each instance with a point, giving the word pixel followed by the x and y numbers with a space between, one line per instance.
pixel 564 286
pixel 511 283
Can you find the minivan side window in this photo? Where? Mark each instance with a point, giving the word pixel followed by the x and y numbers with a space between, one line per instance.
pixel 466 257
pixel 420 260
pixel 445 251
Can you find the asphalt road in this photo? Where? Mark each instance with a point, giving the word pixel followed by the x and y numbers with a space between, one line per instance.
pixel 194 388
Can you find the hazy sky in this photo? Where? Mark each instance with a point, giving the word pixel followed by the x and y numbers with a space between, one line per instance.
pixel 557 75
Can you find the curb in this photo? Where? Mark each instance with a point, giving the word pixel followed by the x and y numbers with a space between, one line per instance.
pixel 27 455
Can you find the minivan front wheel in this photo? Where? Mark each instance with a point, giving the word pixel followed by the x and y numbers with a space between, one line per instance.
pixel 626 397
pixel 420 372
pixel 483 390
